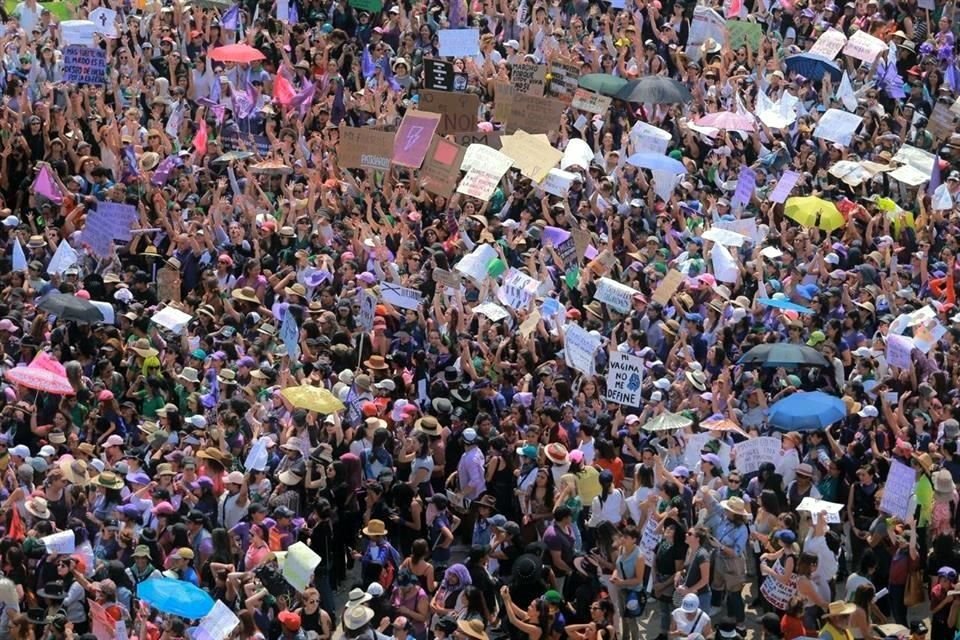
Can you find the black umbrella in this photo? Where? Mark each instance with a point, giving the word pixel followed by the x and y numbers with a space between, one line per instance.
pixel 784 355
pixel 67 307
pixel 655 90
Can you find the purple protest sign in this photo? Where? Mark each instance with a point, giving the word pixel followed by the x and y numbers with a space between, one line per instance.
pixel 746 183
pixel 413 138
pixel 784 186
pixel 554 235
pixel 45 186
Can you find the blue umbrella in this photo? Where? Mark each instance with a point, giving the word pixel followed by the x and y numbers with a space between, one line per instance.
pixel 807 411
pixel 656 162
pixel 812 66
pixel 175 597
pixel 785 305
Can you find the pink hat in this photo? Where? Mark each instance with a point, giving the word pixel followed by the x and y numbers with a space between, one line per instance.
pixel 83 294
pixel 8 326
pixel 347 255
pixel 486 127
pixel 576 455
pixel 113 441
pixel 105 396
pixel 163 509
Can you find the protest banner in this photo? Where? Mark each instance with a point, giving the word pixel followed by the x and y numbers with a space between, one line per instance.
pixel 778 593
pixel 535 115
pixel 750 454
pixel 438 74
pixel 815 506
pixel 484 175
pixel 528 79
pixel 488 139
pixel 458 111
pixel 63 542
pixel 413 138
pixel 78 32
pixel 668 286
pixel 459 43
pixel 441 167
pixel 534 156
pixel 864 47
pixel 368 310
pixel 290 335
pixel 557 182
pixel 372 6
pixel 941 123
pixel 649 540
pixel 398 296
pixel 694 444
pixel 299 566
pixel 899 349
pixel 837 126
pixel 615 295
pixel 624 379
pixel 898 492
pixel 743 32
pixel 829 44
pixel 172 319
pixel 220 622
pixel 785 185
pixel 564 81
pixel 365 148
pixel 492 310
pixel 579 349
pixel 590 102
pixel 84 65
pixel 518 289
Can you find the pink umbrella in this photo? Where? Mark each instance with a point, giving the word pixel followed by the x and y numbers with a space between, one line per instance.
pixel 236 53
pixel 728 121
pixel 43 374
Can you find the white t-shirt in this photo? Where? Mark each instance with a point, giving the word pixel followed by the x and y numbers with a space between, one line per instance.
pixel 827 562
pixel 787 465
pixel 687 625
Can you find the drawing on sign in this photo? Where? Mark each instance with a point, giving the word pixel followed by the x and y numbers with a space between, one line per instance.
pixel 624 379
pixel 459 111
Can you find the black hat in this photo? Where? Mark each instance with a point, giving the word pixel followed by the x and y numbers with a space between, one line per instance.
pixel 196 517
pixel 52 590
pixel 36 615
pixel 447 624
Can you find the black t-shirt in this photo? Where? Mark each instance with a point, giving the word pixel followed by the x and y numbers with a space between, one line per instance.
pixel 693 569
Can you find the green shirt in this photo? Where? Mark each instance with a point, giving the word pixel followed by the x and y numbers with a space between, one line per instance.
pixel 150 405
pixel 924 491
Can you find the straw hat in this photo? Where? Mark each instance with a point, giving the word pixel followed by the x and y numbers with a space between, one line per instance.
pixel 428 425
pixel 375 528
pixel 212 453
pixel 377 363
pixel 246 294
pixel 357 597
pixel 110 480
pixel 37 507
pixel 735 505
pixel 839 608
pixel 357 617
pixel 75 471
pixel 473 628
pixel 143 348
pixel 557 453
pixel 943 482
pixel 925 461
pixel 165 469
pixel 189 374
pixel 697 379
pixel 296 289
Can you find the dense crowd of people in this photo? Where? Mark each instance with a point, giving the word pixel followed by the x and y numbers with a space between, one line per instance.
pixel 224 337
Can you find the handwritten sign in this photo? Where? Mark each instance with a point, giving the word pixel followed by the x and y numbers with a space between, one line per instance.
pixel 815 506
pixel 615 295
pixel 528 79
pixel 531 154
pixel 398 296
pixel 579 349
pixel 63 542
pixel 365 148
pixel 750 454
pixel 898 351
pixel 447 279
pixel 668 286
pixel 486 169
pixel 299 566
pixel 829 44
pixel 624 379
pixel 785 185
pixel 564 80
pixel 459 43
pixel 864 47
pixel 458 111
pixel 368 310
pixel 535 115
pixel 218 624
pixel 777 593
pixel 694 445
pixel 558 182
pixel 898 492
pixel 85 65
pixel 518 289
pixel 172 319
pixel 649 539
pixel 590 102
pixel 78 32
pixel 492 310
pixel 119 219
pixel 837 126
pixel 474 264
pixel 414 137
pixel 746 183
pixel 489 139
pixel 941 123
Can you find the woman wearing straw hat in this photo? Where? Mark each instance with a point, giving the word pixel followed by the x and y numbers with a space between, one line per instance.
pixel 729 540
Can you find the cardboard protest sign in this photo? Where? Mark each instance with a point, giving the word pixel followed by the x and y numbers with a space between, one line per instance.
pixel 441 167
pixel 168 285
pixel 489 139
pixel 63 542
pixel 577 154
pixel 590 102
pixel 458 111
pixel 624 379
pixel 413 138
pixel 459 43
pixel 484 173
pixel 581 240
pixel 172 319
pixel 941 123
pixel 615 295
pixel 528 79
pixel 503 93
pixel 438 74
pixel 668 286
pixel 532 155
pixel 535 115
pixel 85 65
pixel 564 80
pixel 365 148
pixel 448 279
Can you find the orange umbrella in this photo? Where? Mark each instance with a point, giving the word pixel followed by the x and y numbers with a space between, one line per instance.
pixel 236 53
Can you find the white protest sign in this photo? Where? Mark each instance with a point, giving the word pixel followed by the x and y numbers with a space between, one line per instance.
pixel 837 126
pixel 829 44
pixel 724 266
pixel 172 318
pixel 577 154
pixel 898 351
pixel 898 492
pixel 815 506
pixel 624 379
pixel 724 236
pixel 258 456
pixel 63 542
pixel 615 295
pixel 784 186
pixel 750 454
pixel 492 310
pixel 864 47
pixel 771 253
pixel 105 21
pixel 398 296
pixel 78 32
pixel 486 169
pixel 63 258
pixel 919 159
pixel 846 94
pixel 777 593
pixel 694 444
pixel 518 289
pixel 368 310
pixel 299 567
pixel 579 349
pixel 926 336
pixel 218 624
pixel 474 264
pixel 557 182
pixel 590 102
pixel 706 23
pixel 459 43
pixel 942 201
pixel 648 138
pixel 283 10
pixel 649 539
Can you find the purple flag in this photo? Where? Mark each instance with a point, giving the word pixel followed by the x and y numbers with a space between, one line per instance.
pixel 218 112
pixel 231 18
pixel 130 168
pixel 46 186
pixel 934 176
pixel 367 66
pixel 293 16
pixel 304 98
pixel 455 14
pixel 952 78
pixel 163 171
pixel 215 91
pixel 890 80
pixel 388 74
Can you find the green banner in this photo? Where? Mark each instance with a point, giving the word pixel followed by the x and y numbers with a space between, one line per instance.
pixel 741 32
pixel 373 6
